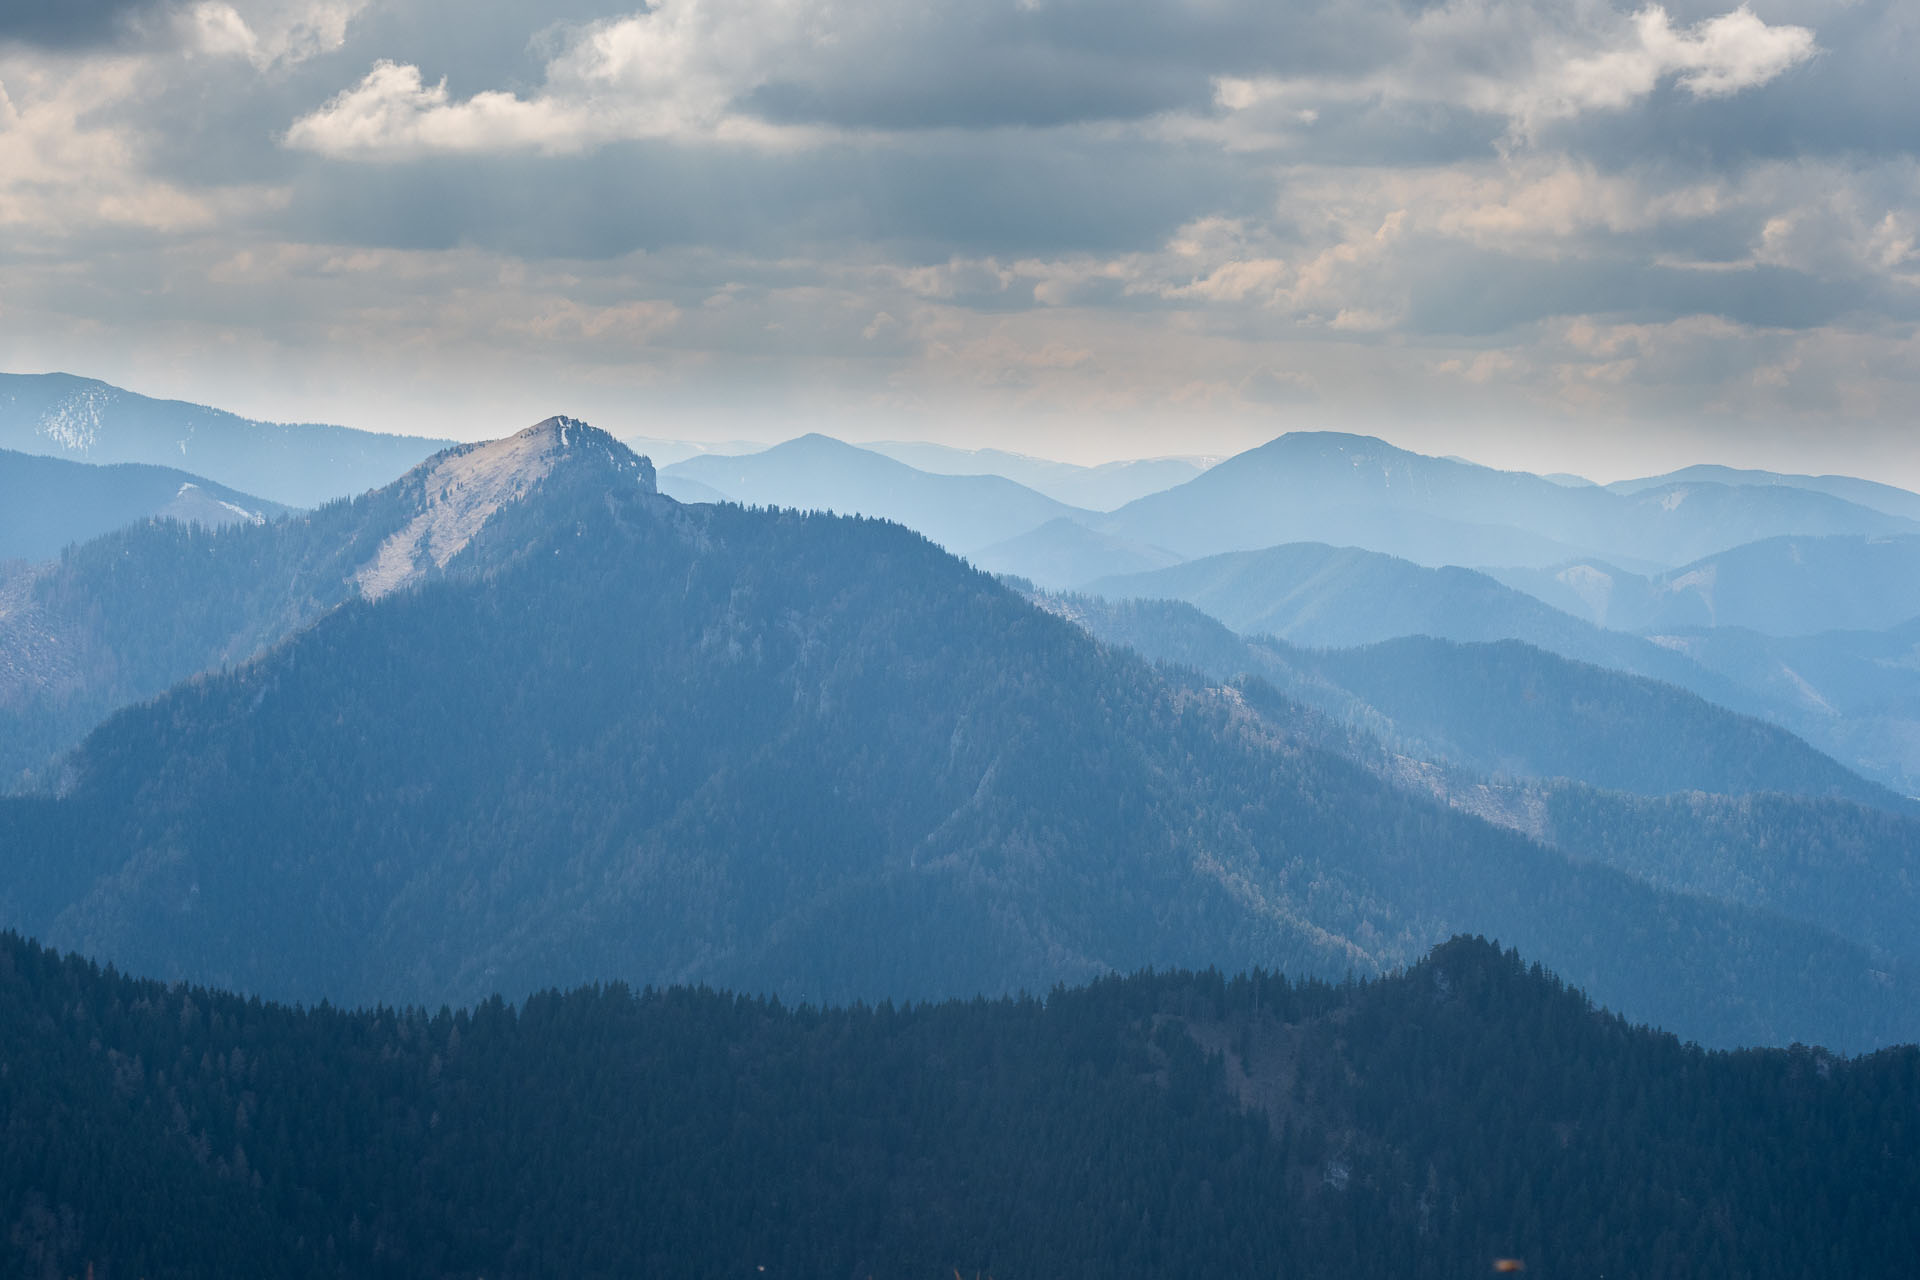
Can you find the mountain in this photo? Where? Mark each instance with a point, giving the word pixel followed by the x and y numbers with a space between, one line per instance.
pixel 49 503
pixel 1359 491
pixel 667 452
pixel 1780 586
pixel 1499 709
pixel 1317 596
pixel 687 489
pixel 1424 1125
pixel 1096 488
pixel 1867 493
pixel 1731 808
pixel 1855 694
pixel 819 473
pixel 122 618
pixel 302 465
pixel 1063 553
pixel 566 729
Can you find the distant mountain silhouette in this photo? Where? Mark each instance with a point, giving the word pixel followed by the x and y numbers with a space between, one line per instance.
pixel 1867 493
pixel 302 465
pixel 1095 488
pixel 1319 596
pixel 48 503
pixel 1790 586
pixel 1359 491
pixel 819 473
pixel 1064 553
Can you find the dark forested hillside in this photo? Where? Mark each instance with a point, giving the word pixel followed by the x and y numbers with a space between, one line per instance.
pixel 612 736
pixel 1182 1125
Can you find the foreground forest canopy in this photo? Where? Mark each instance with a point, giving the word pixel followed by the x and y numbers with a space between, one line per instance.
pixel 1420 1125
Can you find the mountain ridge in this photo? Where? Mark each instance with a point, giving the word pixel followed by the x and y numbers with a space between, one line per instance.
pixel 298 464
pixel 809 754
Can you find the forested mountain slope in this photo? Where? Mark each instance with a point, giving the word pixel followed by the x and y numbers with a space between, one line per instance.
pixel 1499 708
pixel 126 616
pixel 300 464
pixel 613 736
pixel 1423 1125
pixel 1754 817
pixel 48 503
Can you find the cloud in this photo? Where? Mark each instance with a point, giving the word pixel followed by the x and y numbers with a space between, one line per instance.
pixel 1713 59
pixel 1001 211
pixel 268 32
pixel 69 24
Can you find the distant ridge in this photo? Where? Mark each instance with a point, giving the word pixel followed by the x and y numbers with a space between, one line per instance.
pixel 50 503
pixel 299 464
pixel 1324 486
pixel 819 473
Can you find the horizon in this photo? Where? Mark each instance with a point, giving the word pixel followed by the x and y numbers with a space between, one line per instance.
pixel 1907 478
pixel 1608 240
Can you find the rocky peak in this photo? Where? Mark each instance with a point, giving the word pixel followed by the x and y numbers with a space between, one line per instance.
pixel 461 489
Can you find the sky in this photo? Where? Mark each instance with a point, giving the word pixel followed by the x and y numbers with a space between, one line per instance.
pixel 1564 235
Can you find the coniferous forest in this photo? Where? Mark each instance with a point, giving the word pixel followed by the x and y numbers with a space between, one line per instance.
pixel 1424 1124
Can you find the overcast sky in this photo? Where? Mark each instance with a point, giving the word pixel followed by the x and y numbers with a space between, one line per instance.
pixel 1564 235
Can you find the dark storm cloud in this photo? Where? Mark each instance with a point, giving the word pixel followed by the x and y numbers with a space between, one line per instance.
pixel 70 24
pixel 984 65
pixel 1469 293
pixel 1019 195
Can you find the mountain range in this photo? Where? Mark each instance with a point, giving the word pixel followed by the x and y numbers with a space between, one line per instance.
pixel 300 465
pixel 49 503
pixel 1867 493
pixel 1785 586
pixel 803 754
pixel 1359 491
pixel 1319 596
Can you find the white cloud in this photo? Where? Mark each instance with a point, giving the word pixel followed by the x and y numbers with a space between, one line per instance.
pixel 1712 59
pixel 1533 64
pixel 675 70
pixel 269 32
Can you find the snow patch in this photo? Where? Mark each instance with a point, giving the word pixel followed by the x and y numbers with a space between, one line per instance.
pixel 73 422
pixel 1672 499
